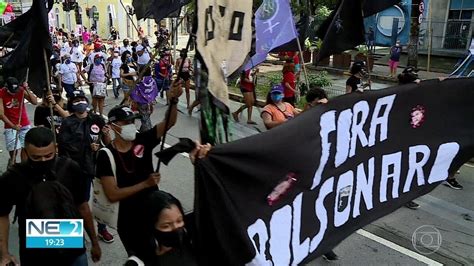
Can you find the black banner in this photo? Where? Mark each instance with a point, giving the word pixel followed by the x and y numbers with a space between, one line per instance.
pixel 291 194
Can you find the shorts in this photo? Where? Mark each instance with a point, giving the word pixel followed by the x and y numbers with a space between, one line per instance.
pixel 185 76
pixel 162 84
pixel 125 88
pixel 10 138
pixel 392 64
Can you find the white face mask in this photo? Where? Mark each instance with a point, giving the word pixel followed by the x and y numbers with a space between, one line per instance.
pixel 129 132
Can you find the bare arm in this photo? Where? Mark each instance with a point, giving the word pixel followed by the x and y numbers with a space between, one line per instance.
pixel 348 89
pixel 175 92
pixel 269 123
pixel 287 85
pixel 114 193
pixel 5 256
pixel 86 214
pixel 4 117
pixel 30 96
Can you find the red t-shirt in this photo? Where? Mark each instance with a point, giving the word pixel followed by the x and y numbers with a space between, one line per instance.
pixel 246 86
pixel 294 55
pixel 162 68
pixel 290 78
pixel 11 107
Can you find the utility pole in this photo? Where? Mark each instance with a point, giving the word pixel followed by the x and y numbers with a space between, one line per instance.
pixel 414 32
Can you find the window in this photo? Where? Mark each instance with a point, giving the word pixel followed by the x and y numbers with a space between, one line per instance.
pixel 56 13
pixel 68 21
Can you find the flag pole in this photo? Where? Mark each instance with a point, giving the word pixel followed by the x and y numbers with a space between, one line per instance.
pixel 17 136
pixel 302 64
pixel 168 112
pixel 48 92
pixel 128 15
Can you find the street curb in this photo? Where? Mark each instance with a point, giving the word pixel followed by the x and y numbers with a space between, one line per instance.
pixel 238 98
pixel 347 73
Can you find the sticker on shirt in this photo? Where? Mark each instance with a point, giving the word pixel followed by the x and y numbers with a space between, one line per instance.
pixel 138 151
pixel 95 129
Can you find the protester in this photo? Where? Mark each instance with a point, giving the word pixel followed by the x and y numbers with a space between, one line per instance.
pixel 85 36
pixel 170 243
pixel 144 96
pixel 65 46
pixel 44 187
pixel 68 72
pixel 370 40
pixel 143 53
pixel 134 51
pixel 80 138
pixel 77 57
pixel 88 49
pixel 354 82
pixel 135 177
pixel 97 50
pixel 128 73
pixel 42 115
pixel 97 78
pixel 113 34
pixel 55 65
pixel 395 53
pixel 14 115
pixel 247 87
pixel 115 65
pixel 289 82
pixel 185 73
pixel 126 47
pixel 163 74
pixel 277 112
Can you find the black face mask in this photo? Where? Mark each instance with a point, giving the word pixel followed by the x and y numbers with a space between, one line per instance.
pixel 173 239
pixel 42 167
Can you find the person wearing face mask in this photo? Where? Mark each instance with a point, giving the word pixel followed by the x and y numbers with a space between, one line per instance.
pixel 128 73
pixel 143 53
pixel 135 177
pixel 97 51
pixel 97 80
pixel 68 72
pixel 15 122
pixel 185 73
pixel 44 187
pixel 126 47
pixel 277 112
pixel 163 74
pixel 115 65
pixel 354 82
pixel 77 56
pixel 80 137
pixel 170 243
pixel 395 53
pixel 65 46
pixel 42 115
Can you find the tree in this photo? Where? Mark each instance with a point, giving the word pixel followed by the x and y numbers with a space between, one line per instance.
pixel 414 34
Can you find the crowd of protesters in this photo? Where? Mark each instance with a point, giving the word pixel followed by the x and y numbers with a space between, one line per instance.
pixel 91 144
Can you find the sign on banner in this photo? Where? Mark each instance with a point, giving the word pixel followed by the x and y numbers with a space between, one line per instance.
pixel 224 38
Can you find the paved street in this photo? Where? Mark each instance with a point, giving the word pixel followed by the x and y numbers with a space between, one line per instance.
pixel 387 241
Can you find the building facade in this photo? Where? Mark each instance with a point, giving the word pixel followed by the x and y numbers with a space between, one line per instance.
pixel 102 15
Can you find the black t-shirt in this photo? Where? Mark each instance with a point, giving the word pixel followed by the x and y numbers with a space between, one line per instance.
pixel 43 117
pixel 182 257
pixel 132 168
pixel 15 186
pixel 354 82
pixel 75 138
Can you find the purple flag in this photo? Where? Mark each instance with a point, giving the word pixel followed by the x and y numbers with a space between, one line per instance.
pixel 274 26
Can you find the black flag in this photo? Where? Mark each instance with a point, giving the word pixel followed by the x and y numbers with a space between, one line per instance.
pixel 157 9
pixel 291 194
pixel 11 33
pixel 372 7
pixel 29 53
pixel 343 29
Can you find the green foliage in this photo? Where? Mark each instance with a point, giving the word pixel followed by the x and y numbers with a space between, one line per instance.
pixel 321 79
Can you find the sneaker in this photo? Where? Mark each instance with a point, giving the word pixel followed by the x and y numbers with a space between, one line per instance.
pixel 330 256
pixel 452 183
pixel 105 236
pixel 412 205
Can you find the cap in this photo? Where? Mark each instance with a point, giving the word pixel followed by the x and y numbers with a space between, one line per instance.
pixel 277 89
pixel 122 113
pixel 410 69
pixel 97 45
pixel 66 56
pixel 78 94
pixel 357 67
pixel 97 56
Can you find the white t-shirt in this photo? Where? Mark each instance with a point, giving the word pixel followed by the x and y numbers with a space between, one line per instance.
pixel 68 72
pixel 123 49
pixel 116 63
pixel 65 49
pixel 145 57
pixel 77 55
pixel 92 55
